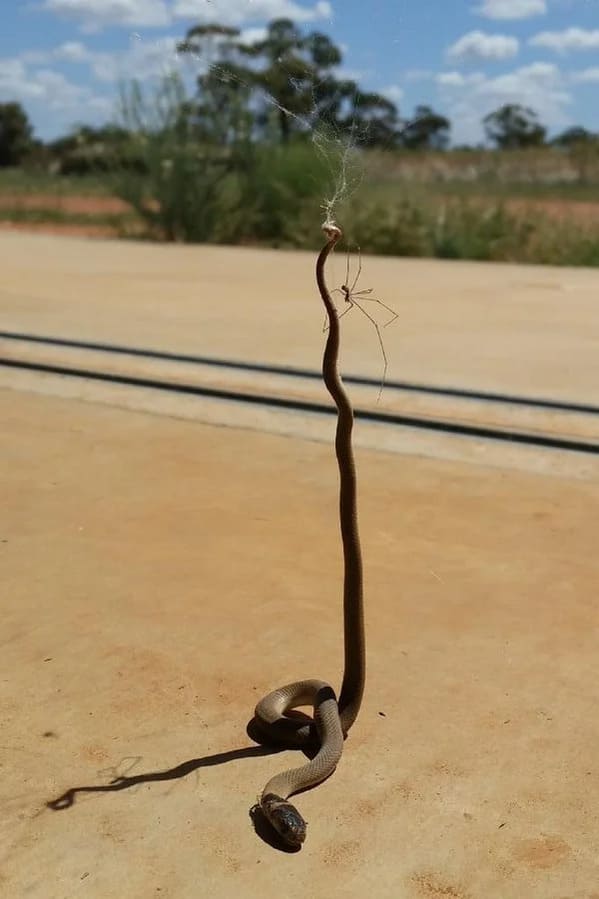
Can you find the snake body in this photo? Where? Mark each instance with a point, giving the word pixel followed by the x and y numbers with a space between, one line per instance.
pixel 331 719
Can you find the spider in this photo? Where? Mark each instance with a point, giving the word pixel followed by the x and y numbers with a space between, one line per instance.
pixel 353 297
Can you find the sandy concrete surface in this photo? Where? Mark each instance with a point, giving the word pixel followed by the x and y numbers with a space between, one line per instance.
pixel 524 329
pixel 159 572
pixel 160 575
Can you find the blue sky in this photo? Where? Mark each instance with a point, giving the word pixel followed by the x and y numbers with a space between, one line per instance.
pixel 63 58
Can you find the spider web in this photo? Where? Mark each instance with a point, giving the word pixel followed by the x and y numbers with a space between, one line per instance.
pixel 338 149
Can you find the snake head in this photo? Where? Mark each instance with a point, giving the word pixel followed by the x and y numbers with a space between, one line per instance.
pixel 332 232
pixel 285 819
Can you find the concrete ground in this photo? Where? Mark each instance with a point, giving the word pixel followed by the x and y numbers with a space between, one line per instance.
pixel 529 329
pixel 159 574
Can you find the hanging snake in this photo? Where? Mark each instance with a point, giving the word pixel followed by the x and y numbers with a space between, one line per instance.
pixel 326 730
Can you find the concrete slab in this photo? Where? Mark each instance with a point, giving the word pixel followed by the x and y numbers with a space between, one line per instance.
pixel 159 575
pixel 522 329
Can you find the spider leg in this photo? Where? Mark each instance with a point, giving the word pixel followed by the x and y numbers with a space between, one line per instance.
pixel 363 295
pixel 347 267
pixel 348 308
pixel 381 344
pixel 394 314
pixel 325 326
pixel 358 273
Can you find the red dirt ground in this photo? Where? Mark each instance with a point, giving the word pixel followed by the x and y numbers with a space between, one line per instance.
pixel 79 205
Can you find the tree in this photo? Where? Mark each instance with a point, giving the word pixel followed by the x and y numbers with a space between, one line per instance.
pixel 573 137
pixel 298 75
pixel 286 83
pixel 16 134
pixel 220 113
pixel 228 82
pixel 291 65
pixel 426 131
pixel 372 119
pixel 89 149
pixel 582 149
pixel 513 127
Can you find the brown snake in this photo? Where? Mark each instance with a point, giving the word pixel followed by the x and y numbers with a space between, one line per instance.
pixel 332 719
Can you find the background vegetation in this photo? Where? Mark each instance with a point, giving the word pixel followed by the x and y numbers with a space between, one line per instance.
pixel 250 153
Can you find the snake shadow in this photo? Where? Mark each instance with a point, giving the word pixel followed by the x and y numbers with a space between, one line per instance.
pixel 261 825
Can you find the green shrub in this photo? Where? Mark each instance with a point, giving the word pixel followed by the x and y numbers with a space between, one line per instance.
pixel 280 195
pixel 563 244
pixel 467 231
pixel 180 189
pixel 401 229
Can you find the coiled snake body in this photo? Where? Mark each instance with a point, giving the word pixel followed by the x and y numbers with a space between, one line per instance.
pixel 332 719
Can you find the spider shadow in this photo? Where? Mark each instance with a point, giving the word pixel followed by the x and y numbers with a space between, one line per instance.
pixel 261 825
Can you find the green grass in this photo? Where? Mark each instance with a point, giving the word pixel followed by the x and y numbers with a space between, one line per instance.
pixel 22 181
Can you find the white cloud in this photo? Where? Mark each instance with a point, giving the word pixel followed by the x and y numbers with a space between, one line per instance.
pixel 252 35
pixel 49 97
pixel 58 91
pixel 14 81
pixel 94 15
pixel 457 79
pixel 236 12
pixel 571 39
pixel 341 73
pixel 585 75
pixel 511 9
pixel 541 86
pixel 393 92
pixel 143 59
pixel 476 46
pixel 537 77
pixel 71 51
